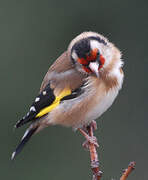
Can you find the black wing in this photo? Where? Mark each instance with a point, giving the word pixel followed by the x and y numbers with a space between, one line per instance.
pixel 44 99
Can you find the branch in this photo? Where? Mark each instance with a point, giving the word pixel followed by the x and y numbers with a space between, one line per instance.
pixel 94 157
pixel 91 144
pixel 127 171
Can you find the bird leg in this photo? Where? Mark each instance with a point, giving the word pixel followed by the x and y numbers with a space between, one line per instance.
pixel 93 124
pixel 89 139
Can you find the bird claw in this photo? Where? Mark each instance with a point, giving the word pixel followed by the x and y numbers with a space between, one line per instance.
pixel 90 140
pixel 85 144
pixel 93 124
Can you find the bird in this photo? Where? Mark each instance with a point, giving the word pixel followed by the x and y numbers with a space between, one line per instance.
pixel 78 87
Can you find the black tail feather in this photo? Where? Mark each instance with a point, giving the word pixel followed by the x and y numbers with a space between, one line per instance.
pixel 29 132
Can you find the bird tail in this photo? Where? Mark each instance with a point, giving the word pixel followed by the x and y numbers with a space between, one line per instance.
pixel 27 135
pixel 28 118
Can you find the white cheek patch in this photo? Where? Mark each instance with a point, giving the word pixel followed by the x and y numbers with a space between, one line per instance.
pixel 95 44
pixel 107 54
pixel 104 51
pixel 74 55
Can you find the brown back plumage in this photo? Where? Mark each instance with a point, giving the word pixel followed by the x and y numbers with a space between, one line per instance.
pixel 62 74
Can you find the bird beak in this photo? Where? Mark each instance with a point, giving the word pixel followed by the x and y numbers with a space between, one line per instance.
pixel 94 66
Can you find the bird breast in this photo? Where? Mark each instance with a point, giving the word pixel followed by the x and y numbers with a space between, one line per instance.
pixel 101 103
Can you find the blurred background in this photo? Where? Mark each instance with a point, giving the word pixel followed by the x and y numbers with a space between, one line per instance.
pixel 33 34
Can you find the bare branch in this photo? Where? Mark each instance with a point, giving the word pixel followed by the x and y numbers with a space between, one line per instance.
pixel 127 171
pixel 91 144
pixel 94 157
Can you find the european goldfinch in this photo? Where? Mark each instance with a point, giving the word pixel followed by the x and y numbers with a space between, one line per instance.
pixel 78 88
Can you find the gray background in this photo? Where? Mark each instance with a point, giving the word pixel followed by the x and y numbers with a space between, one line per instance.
pixel 33 34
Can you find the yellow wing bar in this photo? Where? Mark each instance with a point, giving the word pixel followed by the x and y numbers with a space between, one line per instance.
pixel 56 102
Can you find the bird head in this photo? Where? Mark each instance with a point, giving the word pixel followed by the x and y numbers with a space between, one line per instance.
pixel 91 53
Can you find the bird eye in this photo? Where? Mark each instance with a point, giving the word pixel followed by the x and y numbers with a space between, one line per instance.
pixel 98 53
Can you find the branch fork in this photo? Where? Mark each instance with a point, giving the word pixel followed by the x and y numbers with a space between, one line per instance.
pixel 91 144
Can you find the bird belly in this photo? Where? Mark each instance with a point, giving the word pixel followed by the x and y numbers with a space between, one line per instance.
pixel 81 111
pixel 101 105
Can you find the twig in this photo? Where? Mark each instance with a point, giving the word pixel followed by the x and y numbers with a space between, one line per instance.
pixel 94 157
pixel 127 171
pixel 91 144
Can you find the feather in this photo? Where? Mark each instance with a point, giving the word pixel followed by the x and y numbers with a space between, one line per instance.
pixel 75 93
pixel 44 103
pixel 56 102
pixel 43 100
pixel 29 132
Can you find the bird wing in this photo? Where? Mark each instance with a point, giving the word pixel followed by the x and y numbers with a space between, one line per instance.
pixel 61 82
pixel 61 65
pixel 43 104
pixel 48 103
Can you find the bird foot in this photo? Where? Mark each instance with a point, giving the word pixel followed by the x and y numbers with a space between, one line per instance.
pixel 92 140
pixel 89 139
pixel 93 124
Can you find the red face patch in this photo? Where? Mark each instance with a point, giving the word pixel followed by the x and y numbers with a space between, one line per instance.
pixel 86 69
pixel 90 58
pixel 102 61
pixel 82 61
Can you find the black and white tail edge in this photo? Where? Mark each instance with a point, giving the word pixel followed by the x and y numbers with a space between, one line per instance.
pixel 27 135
